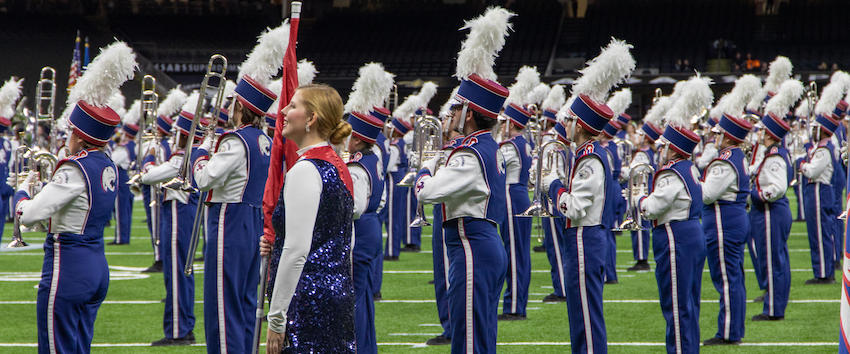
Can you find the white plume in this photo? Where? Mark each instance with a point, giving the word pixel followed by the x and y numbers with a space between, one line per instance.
pixel 426 93
pixel 803 110
pixel 678 89
pixel 230 87
pixel 133 114
pixel 565 109
pixel 275 86
pixel 612 67
pixel 172 103
pixel 9 94
pixel 407 108
pixel 306 72
pixel 486 38
pixel 789 92
pixel 695 96
pixel 842 78
pixel 191 103
pixel 444 110
pixel 266 59
pixel 655 114
pixel 538 94
pixel 117 102
pixel 555 99
pixel 832 93
pixel 526 79
pixel 620 101
pixel 115 64
pixel 370 88
pixel 745 87
pixel 779 71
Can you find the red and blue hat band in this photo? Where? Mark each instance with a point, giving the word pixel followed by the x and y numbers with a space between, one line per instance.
pixel 735 128
pixel 184 124
pixel 223 116
pixel 163 124
pixel 610 129
pixel 484 96
pixel 650 131
pixel 271 121
pixel 827 123
pixel 365 127
pixel 682 140
pixel 381 113
pixel 517 115
pixel 130 129
pixel 624 119
pixel 400 126
pixel 91 127
pixel 712 121
pixel 591 115
pixel 253 95
pixel 551 115
pixel 775 126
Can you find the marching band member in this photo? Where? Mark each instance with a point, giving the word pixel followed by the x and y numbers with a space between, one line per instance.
pixel 770 214
pixel 725 222
pixel 234 177
pixel 124 157
pixel 367 177
pixel 382 146
pixel 839 175
pixel 10 92
pixel 177 215
pixel 472 188
pixel 799 151
pixel 516 230
pixel 818 194
pixel 674 205
pixel 618 103
pixel 399 218
pixel 77 203
pixel 584 202
pixel 312 303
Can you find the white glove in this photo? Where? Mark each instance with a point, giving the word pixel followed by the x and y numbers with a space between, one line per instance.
pixel 546 181
pixel 430 164
pixel 636 201
pixel 208 142
pixel 12 180
pixel 31 178
pixel 413 161
pixel 624 173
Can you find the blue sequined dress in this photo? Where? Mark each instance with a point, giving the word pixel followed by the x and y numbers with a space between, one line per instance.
pixel 320 318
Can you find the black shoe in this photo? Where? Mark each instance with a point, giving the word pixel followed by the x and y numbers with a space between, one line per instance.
pixel 199 259
pixel 376 296
pixel 799 220
pixel 156 267
pixel 411 248
pixel 431 282
pixel 816 281
pixel 189 339
pixel 720 341
pixel 611 282
pixel 390 258
pixel 539 249
pixel 439 340
pixel 162 301
pixel 640 266
pixel 766 317
pixel 113 243
pixel 554 298
pixel 511 317
pixel 759 298
pixel 838 266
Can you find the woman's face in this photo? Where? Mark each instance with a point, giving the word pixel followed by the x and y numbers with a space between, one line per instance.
pixel 295 118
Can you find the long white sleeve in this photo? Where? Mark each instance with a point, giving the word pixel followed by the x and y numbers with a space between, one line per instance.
pixel 393 159
pixel 640 158
pixel 229 158
pixel 587 190
pixel 301 193
pixel 669 200
pixel 121 157
pixel 709 153
pixel 720 182
pixel 817 167
pixel 513 163
pixel 773 178
pixel 163 172
pixel 67 184
pixel 461 179
pixel 759 157
pixel 362 188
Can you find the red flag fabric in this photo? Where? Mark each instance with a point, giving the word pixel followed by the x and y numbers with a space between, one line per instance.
pixel 284 152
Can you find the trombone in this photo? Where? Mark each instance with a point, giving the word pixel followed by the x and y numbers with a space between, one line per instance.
pixel 147 114
pixel 216 100
pixel 638 184
pixel 429 145
pixel 45 101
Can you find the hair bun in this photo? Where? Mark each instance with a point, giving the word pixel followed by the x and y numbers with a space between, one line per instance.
pixel 340 132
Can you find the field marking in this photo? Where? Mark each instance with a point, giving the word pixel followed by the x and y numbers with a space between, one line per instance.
pixel 425 301
pixel 619 270
pixel 419 345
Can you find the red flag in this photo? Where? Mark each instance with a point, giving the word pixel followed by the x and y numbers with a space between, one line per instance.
pixel 282 149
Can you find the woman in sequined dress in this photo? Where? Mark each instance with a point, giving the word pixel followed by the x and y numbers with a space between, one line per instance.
pixel 312 302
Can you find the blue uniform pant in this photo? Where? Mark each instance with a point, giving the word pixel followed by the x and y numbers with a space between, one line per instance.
pixel 771 225
pixel 477 263
pixel 231 276
pixel 798 192
pixel 611 256
pixel 401 213
pixel 838 227
pixel 175 234
pixel 726 228
pixel 367 248
pixel 679 249
pixel 585 267
pixel 640 242
pixel 755 245
pixel 818 200
pixel 74 281
pixel 123 212
pixel 554 241
pixel 441 270
pixel 516 235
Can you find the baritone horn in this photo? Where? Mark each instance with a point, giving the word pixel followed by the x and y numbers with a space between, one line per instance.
pixel 429 131
pixel 638 185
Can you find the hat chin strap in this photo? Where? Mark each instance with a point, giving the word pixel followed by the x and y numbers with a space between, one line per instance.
pixel 462 118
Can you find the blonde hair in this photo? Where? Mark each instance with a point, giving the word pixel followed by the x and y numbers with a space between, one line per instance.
pixel 326 103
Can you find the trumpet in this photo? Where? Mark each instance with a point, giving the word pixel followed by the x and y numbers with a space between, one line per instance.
pixel 429 145
pixel 148 107
pixel 638 185
pixel 216 100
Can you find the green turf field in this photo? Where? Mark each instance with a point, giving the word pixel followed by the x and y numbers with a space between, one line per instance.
pixel 132 316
